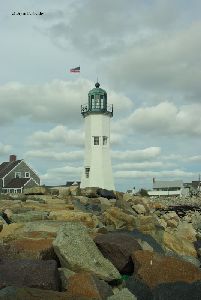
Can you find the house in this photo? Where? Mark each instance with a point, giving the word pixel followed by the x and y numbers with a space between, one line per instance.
pixel 168 188
pixel 15 175
pixel 194 187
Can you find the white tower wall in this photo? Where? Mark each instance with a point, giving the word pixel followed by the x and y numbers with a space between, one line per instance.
pixel 97 157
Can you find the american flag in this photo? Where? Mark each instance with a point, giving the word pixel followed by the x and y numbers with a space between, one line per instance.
pixel 75 70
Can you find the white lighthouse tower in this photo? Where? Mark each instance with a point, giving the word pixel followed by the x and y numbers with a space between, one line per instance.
pixel 97 163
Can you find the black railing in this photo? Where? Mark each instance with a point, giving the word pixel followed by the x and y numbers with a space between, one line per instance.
pixel 86 109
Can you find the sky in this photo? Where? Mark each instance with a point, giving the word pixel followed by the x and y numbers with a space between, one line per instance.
pixel 146 55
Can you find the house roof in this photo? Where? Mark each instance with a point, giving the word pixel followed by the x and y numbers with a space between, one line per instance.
pixel 17 183
pixel 6 167
pixel 167 184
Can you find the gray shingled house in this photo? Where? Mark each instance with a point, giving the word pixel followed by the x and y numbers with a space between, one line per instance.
pixel 15 175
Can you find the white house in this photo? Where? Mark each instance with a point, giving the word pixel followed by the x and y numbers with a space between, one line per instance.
pixel 168 188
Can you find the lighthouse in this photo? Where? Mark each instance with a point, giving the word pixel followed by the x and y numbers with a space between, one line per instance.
pixel 97 162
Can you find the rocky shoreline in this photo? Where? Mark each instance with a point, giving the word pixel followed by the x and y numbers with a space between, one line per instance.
pixel 96 244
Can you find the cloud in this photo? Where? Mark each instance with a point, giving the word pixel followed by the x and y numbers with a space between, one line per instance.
pixel 4 149
pixel 195 158
pixel 159 174
pixel 61 175
pixel 166 118
pixel 55 102
pixel 143 165
pixel 57 135
pixel 145 154
pixel 167 63
pixel 62 135
pixel 112 26
pixel 57 156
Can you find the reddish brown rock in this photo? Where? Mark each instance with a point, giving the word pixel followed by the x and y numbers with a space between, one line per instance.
pixel 154 269
pixel 30 273
pixel 31 245
pixel 118 247
pixel 85 284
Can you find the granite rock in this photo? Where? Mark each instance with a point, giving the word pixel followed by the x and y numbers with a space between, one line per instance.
pixel 30 273
pixel 88 285
pixel 118 247
pixel 155 269
pixel 78 252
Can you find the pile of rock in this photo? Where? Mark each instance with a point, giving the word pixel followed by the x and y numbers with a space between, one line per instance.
pixel 97 244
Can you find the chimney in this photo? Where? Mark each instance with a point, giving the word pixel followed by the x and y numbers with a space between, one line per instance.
pixel 13 157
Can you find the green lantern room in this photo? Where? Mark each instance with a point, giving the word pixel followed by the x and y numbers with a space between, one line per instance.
pixel 97 102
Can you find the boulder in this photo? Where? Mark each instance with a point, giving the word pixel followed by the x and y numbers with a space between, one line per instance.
pixel 147 224
pixel 179 245
pixel 29 216
pixel 149 240
pixel 123 294
pixel 186 231
pixel 106 194
pixel 138 288
pixel 28 248
pixel 172 223
pixel 90 192
pixel 8 213
pixel 118 247
pixel 125 206
pixel 154 269
pixel 74 190
pixel 64 274
pixel 37 190
pixel 78 252
pixel 88 285
pixel 30 273
pixel 82 199
pixel 171 216
pixel 128 197
pixel 11 232
pixel 2 221
pixel 25 293
pixel 65 215
pixel 139 208
pixel 105 203
pixel 178 291
pixel 118 218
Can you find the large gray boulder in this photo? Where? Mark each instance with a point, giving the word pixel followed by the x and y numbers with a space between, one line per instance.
pixel 78 252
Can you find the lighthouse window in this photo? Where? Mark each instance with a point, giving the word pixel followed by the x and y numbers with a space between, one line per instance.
pixel 97 102
pixel 87 170
pixel 101 101
pixel 96 140
pixel 104 140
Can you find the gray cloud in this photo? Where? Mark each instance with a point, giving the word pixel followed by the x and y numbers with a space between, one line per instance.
pixel 55 102
pixel 165 119
pixel 4 149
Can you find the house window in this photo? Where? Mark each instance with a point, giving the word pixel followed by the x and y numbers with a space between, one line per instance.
pixel 104 140
pixel 17 174
pixel 27 174
pixel 87 170
pixel 96 140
